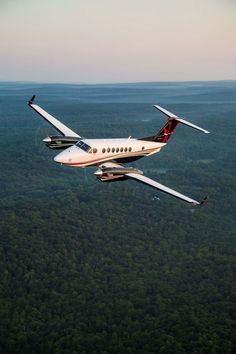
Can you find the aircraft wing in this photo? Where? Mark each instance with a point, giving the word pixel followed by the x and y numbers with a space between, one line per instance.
pixel 113 169
pixel 64 130
pixel 157 185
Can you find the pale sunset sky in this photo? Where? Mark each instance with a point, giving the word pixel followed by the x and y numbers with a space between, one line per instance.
pixel 105 41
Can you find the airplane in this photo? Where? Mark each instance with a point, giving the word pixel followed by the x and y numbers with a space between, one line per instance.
pixel 109 155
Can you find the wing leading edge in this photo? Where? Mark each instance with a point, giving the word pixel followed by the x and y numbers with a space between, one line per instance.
pixel 63 129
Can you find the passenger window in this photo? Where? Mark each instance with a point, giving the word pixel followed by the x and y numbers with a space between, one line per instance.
pixel 143 147
pixel 126 149
pixel 95 150
pixel 117 149
pixel 103 150
pixel 121 149
pixel 130 148
pixel 108 149
pixel 113 149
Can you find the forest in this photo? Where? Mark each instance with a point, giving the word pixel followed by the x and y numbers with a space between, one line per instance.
pixel 91 267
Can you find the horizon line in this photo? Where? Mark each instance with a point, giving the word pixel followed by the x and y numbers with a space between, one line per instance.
pixel 109 83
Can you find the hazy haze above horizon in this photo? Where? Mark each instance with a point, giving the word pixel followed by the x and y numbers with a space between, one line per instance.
pixel 117 41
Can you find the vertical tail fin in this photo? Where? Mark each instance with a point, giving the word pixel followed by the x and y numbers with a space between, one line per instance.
pixel 166 132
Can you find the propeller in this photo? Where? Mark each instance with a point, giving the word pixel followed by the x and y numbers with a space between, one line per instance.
pixel 42 132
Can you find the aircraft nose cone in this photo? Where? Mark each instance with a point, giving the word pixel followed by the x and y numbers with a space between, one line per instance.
pixel 65 157
pixel 57 159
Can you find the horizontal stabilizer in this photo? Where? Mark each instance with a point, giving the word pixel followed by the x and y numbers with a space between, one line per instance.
pixel 173 116
pixel 192 125
pixel 163 110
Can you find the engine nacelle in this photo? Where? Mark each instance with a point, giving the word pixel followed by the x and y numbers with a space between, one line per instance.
pixel 60 142
pixel 111 174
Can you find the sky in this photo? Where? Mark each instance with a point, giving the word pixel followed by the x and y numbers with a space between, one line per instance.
pixel 106 41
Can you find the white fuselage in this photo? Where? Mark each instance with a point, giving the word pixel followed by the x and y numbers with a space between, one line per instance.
pixel 89 152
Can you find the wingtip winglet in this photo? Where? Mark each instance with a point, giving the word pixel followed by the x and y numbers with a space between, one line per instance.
pixel 194 203
pixel 204 199
pixel 31 100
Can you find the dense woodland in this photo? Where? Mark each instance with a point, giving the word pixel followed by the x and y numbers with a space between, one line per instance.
pixel 91 267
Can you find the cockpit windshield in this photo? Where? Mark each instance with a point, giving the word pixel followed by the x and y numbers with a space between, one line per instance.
pixel 81 144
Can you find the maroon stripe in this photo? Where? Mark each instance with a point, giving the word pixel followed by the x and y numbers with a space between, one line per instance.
pixel 100 160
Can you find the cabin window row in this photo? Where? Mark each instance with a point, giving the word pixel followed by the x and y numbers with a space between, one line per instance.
pixel 113 149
